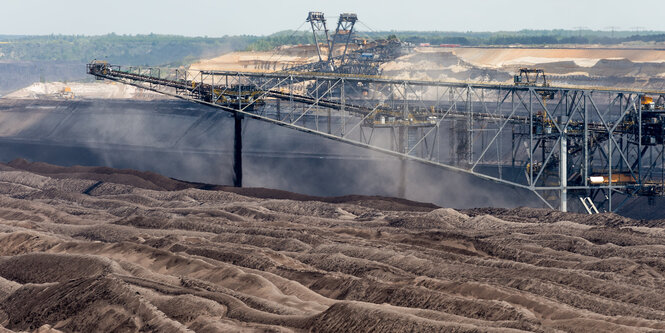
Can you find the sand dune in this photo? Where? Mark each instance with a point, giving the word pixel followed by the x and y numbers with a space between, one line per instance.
pixel 96 249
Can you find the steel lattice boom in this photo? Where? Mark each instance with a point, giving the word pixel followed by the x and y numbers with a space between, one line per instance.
pixel 564 144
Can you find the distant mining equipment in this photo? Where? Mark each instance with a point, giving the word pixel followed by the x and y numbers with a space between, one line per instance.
pixel 333 50
pixel 587 148
pixel 335 56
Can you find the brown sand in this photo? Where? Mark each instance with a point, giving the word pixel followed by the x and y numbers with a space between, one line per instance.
pixel 96 249
pixel 278 59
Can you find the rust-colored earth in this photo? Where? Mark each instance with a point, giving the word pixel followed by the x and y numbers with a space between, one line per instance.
pixel 96 249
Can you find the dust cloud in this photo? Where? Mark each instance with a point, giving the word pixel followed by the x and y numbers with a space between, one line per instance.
pixel 192 142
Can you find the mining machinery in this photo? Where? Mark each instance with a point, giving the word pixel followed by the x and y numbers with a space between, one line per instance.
pixel 524 78
pixel 533 77
pixel 343 34
pixel 606 146
pixel 335 55
pixel 318 23
pixel 232 96
pixel 342 52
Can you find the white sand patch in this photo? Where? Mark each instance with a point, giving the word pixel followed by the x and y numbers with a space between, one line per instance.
pixel 582 62
pixel 572 74
pixel 103 90
pixel 457 68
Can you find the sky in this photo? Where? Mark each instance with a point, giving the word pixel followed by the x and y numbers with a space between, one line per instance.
pixel 215 18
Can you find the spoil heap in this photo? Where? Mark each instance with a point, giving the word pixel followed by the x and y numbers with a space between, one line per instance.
pixel 98 249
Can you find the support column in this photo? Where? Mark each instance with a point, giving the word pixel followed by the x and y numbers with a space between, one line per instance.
pixel 237 151
pixel 342 99
pixel 402 147
pixel 563 169
pixel 329 111
pixel 279 110
pixel 469 110
pixel 585 174
pixel 402 178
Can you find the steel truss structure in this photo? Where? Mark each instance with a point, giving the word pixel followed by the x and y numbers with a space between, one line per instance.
pixel 318 22
pixel 564 144
pixel 365 59
pixel 343 33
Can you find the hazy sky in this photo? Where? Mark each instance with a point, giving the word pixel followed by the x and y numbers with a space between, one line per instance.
pixel 261 17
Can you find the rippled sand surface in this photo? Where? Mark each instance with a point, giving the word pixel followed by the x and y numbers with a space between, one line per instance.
pixel 98 249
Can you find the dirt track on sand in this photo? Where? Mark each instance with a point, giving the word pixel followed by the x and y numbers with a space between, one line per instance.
pixel 79 252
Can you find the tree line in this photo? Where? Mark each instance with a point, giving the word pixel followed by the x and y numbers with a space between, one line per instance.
pixel 172 50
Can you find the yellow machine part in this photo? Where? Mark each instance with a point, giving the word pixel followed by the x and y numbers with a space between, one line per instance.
pixel 647 100
pixel 619 178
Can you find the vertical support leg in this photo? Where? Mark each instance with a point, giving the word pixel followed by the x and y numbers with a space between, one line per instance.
pixel 279 110
pixel 639 142
pixel 237 151
pixel 585 174
pixel 402 178
pixel 563 171
pixel 512 146
pixel 531 139
pixel 469 110
pixel 343 108
pixel 401 190
pixel 329 114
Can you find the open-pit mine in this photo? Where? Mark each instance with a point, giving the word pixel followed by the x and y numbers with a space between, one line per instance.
pixel 348 185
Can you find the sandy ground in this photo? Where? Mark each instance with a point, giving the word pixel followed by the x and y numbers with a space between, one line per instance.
pixel 255 61
pixel 621 68
pixel 98 249
pixel 264 61
pixel 481 57
pixel 601 67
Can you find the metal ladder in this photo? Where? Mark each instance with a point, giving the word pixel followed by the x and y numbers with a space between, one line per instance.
pixel 588 205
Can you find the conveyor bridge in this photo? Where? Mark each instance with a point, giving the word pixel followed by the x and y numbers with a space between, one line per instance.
pixel 561 143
